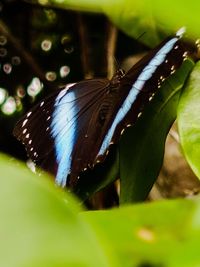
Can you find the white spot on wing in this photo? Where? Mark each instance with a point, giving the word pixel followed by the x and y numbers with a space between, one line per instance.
pixel 42 103
pixel 185 54
pixel 28 114
pixel 122 131
pixel 31 165
pixel 180 32
pixel 150 98
pixel 24 122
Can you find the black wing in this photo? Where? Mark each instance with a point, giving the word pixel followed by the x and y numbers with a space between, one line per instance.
pixel 64 131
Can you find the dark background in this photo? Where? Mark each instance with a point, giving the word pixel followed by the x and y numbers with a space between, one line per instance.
pixel 78 41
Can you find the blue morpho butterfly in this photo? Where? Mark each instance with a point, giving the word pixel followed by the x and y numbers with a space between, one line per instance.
pixel 73 128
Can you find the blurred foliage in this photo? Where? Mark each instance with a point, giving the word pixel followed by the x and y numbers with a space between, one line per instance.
pixel 189 120
pixel 163 233
pixel 42 226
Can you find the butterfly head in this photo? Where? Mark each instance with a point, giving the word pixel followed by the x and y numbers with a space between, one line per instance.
pixel 119 74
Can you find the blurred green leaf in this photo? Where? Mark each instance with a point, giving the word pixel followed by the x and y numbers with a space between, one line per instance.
pixel 189 120
pixel 159 234
pixel 154 18
pixel 142 146
pixel 40 225
pixel 81 5
pixel 147 16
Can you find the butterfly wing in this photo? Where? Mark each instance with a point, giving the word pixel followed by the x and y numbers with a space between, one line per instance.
pixel 73 128
pixel 79 135
pixel 33 129
pixel 139 85
pixel 57 129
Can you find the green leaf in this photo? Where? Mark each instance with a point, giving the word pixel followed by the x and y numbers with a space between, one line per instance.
pixel 40 225
pixel 154 18
pixel 142 146
pixel 158 234
pixel 189 120
pixel 138 17
pixel 80 5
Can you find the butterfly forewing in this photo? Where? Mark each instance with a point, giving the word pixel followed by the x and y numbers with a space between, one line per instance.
pixel 33 130
pixel 70 125
pixel 54 127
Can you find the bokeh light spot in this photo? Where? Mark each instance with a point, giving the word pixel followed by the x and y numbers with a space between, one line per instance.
pixel 34 87
pixel 46 45
pixel 7 67
pixel 51 76
pixel 69 50
pixel 3 94
pixel 66 39
pixel 64 71
pixel 20 91
pixel 16 60
pixel 3 40
pixel 3 52
pixel 9 107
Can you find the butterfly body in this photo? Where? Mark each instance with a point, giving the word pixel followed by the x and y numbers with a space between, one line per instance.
pixel 79 123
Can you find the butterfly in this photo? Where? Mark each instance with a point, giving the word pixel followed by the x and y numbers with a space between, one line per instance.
pixel 72 129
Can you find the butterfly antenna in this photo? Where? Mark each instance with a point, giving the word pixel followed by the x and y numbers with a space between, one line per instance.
pixel 117 64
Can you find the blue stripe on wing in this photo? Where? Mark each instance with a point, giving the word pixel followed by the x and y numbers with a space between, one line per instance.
pixel 138 85
pixel 63 129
